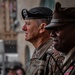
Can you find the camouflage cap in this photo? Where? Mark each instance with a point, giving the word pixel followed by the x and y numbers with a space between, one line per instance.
pixel 62 16
pixel 37 12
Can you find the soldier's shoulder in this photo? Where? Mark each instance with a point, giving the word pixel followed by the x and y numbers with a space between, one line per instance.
pixel 57 55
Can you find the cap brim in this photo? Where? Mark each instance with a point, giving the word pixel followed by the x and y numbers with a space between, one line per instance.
pixel 54 25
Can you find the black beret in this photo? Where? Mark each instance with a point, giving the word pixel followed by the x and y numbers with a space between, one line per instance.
pixel 36 13
pixel 62 16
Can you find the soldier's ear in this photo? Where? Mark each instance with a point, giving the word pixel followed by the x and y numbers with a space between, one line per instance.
pixel 42 27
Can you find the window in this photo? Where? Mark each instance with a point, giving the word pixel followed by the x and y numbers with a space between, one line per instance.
pixel 8 13
pixel 10 46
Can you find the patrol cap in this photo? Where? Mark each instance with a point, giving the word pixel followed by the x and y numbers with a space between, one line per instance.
pixel 36 13
pixel 62 16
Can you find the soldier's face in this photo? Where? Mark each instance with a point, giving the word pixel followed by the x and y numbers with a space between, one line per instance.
pixel 31 30
pixel 64 38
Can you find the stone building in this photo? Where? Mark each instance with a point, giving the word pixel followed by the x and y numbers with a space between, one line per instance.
pixel 11 22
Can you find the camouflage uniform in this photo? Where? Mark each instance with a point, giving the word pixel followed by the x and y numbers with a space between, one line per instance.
pixel 61 18
pixel 69 63
pixel 45 60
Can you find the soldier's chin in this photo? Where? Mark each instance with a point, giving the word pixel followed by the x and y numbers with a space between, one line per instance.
pixel 26 39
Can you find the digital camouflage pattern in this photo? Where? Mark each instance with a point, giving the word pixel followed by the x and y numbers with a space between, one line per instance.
pixel 69 63
pixel 45 60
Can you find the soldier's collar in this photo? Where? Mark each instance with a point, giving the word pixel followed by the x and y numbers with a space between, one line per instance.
pixel 42 49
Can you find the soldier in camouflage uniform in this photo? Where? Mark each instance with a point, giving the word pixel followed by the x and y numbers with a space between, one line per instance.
pixel 62 28
pixel 45 59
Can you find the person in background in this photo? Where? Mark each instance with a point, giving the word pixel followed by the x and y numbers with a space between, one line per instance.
pixel 19 70
pixel 10 71
pixel 44 59
pixel 62 29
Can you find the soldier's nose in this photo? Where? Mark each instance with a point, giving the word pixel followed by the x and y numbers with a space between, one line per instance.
pixel 24 28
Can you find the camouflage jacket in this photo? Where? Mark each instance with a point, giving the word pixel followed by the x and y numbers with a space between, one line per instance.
pixel 68 67
pixel 45 60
